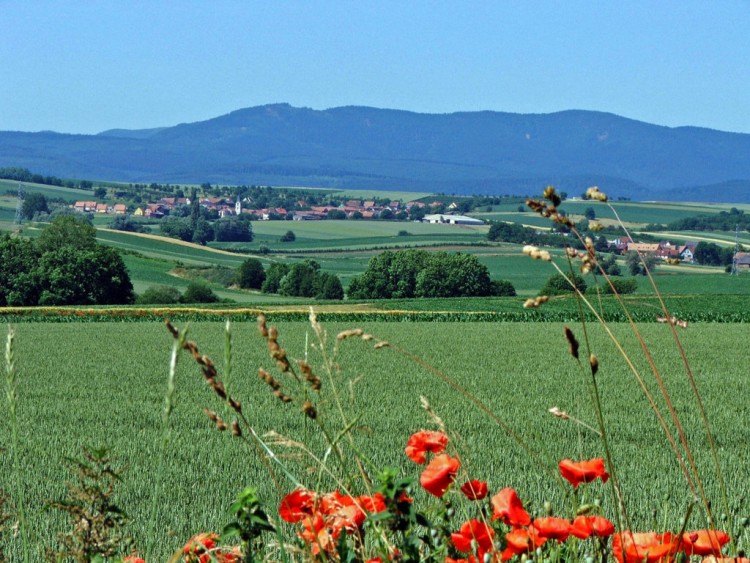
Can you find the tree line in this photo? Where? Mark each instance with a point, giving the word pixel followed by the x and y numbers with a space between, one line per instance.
pixel 63 266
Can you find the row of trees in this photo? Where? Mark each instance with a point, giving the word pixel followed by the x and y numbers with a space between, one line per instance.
pixel 200 231
pixel 418 273
pixel 63 266
pixel 304 279
pixel 25 175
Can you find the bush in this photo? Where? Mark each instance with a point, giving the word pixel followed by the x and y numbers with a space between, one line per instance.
pixel 557 284
pixel 288 236
pixel 502 288
pixel 198 292
pixel 159 295
pixel 623 287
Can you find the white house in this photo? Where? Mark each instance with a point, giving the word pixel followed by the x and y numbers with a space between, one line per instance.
pixel 452 219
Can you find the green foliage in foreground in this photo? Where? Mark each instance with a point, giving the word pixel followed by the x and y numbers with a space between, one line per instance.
pixel 113 394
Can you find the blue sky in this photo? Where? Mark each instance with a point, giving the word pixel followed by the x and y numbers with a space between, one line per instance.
pixel 85 66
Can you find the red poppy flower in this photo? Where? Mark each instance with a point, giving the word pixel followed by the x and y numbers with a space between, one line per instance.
pixel 714 559
pixel 521 540
pixel 474 531
pixel 585 526
pixel 133 559
pixel 374 503
pixel 470 559
pixel 642 547
pixel 198 547
pixel 704 542
pixel 297 505
pixel 425 441
pixel 316 534
pixel 439 474
pixel 507 506
pixel 474 490
pixel 553 528
pixel 578 472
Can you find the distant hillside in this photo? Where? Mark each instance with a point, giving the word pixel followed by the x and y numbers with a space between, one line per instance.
pixel 367 148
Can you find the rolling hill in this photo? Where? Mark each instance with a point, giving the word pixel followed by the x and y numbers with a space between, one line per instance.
pixel 368 148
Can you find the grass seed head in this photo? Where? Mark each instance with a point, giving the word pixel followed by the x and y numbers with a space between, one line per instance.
pixel 268 379
pixel 594 362
pixel 236 429
pixel 555 411
pixel 551 194
pixel 594 193
pixel 262 328
pixel 309 409
pixel 236 405
pixel 572 342
pixel 284 398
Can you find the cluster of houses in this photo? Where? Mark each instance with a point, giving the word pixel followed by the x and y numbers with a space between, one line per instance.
pixel 226 208
pixel 663 250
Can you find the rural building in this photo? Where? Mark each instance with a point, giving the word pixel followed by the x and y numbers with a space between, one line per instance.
pixel 452 219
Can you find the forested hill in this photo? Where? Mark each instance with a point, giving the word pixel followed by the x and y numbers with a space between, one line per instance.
pixel 358 147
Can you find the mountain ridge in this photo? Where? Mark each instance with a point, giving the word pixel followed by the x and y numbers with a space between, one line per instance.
pixel 483 152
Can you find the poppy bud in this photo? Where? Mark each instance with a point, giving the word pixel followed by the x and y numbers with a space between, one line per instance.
pixel 548 508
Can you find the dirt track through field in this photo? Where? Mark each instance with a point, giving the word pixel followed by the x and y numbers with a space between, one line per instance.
pixel 175 241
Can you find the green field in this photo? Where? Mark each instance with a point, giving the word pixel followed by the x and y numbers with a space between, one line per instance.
pixel 633 213
pixel 103 384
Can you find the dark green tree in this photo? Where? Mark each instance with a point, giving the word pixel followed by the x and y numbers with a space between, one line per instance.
pixel 34 203
pixel 557 284
pixel 707 254
pixel 159 295
pixel 67 230
pixel 329 286
pixel 274 275
pixel 288 236
pixel 250 274
pixel 502 288
pixel 203 232
pixel 19 284
pixel 90 276
pixel 233 229
pixel 301 280
pixel 176 228
pixel 198 292
pixel 635 262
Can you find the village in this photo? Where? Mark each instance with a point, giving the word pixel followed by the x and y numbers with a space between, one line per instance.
pixel 665 250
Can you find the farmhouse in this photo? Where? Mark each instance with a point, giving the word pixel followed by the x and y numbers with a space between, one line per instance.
pixel 452 220
pixel 743 260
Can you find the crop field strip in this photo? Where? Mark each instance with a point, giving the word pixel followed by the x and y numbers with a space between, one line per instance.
pixel 97 390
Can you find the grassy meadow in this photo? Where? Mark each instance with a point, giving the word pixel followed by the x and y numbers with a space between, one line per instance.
pixel 106 386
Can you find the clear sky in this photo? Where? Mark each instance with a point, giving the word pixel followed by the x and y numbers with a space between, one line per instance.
pixel 80 66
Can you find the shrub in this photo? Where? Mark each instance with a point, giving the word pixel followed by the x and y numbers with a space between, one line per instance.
pixel 557 284
pixel 288 236
pixel 198 292
pixel 159 295
pixel 502 288
pixel 623 287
